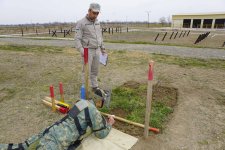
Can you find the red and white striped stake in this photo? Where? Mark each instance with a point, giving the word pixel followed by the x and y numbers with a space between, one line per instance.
pixel 61 92
pixel 52 97
pixel 149 99
pixel 86 71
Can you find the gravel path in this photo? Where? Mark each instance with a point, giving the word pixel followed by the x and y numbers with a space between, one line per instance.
pixel 158 49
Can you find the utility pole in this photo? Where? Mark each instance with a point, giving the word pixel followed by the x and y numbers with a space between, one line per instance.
pixel 126 24
pixel 148 12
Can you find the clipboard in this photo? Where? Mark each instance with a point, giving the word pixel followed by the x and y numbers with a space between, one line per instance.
pixel 103 59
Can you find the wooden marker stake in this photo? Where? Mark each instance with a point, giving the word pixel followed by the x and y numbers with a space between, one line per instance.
pixel 155 130
pixel 61 92
pixel 149 99
pixel 53 98
pixel 86 70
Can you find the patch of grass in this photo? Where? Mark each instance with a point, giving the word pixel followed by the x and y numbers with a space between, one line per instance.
pixel 30 48
pixel 189 62
pixel 132 102
pixel 7 93
pixel 159 114
pixel 204 142
pixel 138 58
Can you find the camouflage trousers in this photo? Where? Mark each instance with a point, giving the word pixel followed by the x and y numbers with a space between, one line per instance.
pixel 56 137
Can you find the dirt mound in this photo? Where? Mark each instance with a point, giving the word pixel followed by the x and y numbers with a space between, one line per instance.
pixel 165 95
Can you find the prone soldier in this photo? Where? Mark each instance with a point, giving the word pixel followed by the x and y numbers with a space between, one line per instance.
pixel 66 134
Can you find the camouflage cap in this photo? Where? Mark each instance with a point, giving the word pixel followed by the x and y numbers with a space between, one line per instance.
pixel 95 7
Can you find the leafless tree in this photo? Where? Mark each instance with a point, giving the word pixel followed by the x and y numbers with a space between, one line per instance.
pixel 162 20
pixel 169 20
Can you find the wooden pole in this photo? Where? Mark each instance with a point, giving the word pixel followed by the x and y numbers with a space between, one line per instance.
pixel 156 36
pixel 86 70
pixel 164 36
pixel 175 35
pixel 53 98
pixel 62 104
pixel 50 104
pixel 60 109
pixel 171 35
pixel 61 92
pixel 149 99
pixel 131 122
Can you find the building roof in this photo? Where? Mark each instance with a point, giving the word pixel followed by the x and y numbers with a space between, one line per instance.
pixel 192 14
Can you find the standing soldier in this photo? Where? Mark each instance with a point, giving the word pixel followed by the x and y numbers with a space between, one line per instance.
pixel 88 35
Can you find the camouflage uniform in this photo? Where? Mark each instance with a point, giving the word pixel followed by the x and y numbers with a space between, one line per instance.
pixel 82 120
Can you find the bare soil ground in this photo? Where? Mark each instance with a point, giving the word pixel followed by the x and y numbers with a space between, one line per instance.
pixel 197 122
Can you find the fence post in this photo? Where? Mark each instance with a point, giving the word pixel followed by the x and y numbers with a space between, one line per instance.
pixel 188 32
pixel 171 35
pixel 164 36
pixel 156 36
pixel 184 33
pixel 180 34
pixel 22 31
pixel 198 39
pixel 223 44
pixel 175 35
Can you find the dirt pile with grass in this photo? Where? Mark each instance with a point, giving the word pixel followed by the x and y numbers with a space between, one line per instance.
pixel 128 101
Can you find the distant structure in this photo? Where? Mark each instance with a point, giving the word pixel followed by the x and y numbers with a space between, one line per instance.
pixel 201 20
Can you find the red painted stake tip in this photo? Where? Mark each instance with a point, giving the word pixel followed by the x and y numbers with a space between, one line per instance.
pixel 155 130
pixel 150 71
pixel 85 55
pixel 61 88
pixel 63 110
pixel 51 91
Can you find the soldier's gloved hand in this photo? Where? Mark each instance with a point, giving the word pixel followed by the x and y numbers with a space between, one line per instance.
pixel 81 51
pixel 111 120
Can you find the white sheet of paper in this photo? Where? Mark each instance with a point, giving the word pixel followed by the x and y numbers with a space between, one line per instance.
pixel 103 59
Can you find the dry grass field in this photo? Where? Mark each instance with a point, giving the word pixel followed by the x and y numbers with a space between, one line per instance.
pixel 137 34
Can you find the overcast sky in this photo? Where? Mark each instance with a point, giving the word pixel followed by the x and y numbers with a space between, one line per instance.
pixel 45 11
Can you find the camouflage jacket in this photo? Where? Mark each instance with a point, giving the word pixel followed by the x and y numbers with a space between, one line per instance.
pixel 65 132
